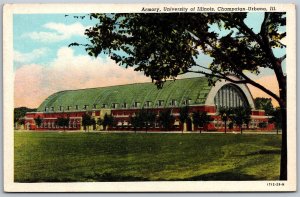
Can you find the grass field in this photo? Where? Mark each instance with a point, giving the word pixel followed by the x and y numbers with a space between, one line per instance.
pixel 71 157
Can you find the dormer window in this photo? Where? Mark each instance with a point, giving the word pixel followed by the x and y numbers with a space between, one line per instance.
pixel 124 105
pixel 114 105
pixel 147 104
pixel 173 102
pixel 69 108
pixel 46 109
pixel 85 107
pixel 104 106
pixel 61 108
pixel 136 104
pixel 186 102
pixel 160 103
pixel 76 107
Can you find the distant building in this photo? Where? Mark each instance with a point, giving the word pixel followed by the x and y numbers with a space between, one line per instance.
pixel 123 101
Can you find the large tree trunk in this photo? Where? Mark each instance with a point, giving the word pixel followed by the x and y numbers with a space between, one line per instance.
pixel 283 105
pixel 283 161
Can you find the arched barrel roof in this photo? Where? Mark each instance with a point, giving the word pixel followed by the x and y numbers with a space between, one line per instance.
pixel 193 89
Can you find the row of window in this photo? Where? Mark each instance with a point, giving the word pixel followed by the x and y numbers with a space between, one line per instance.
pixel 160 103
pixel 53 125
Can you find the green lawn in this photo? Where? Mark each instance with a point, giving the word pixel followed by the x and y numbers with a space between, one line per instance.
pixel 70 157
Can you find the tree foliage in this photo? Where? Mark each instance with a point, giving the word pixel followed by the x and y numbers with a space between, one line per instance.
pixel 200 119
pixel 108 120
pixel 99 121
pixel 20 113
pixel 166 45
pixel 183 115
pixel 62 122
pixel 143 118
pixel 38 121
pixel 240 116
pixel 264 104
pixel 277 118
pixel 166 119
pixel 21 121
pixel 224 114
pixel 150 118
pixel 87 121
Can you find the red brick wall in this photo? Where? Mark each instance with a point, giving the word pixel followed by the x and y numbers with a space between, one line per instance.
pixel 124 115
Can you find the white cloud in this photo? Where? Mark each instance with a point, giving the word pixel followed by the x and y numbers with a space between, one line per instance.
pixel 34 83
pixel 31 56
pixel 58 32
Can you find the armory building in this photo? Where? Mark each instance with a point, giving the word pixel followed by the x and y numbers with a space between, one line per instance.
pixel 123 101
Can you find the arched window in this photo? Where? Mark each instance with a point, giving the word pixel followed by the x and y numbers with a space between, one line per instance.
pixel 230 96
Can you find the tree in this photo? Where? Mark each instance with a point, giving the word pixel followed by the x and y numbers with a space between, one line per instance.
pixel 262 125
pixel 247 116
pixel 21 121
pixel 99 122
pixel 240 116
pixel 143 118
pixel 225 115
pixel 200 119
pixel 150 118
pixel 62 122
pixel 196 119
pixel 38 121
pixel 86 121
pixel 108 120
pixel 277 119
pixel 138 120
pixel 134 121
pixel 19 114
pixel 167 45
pixel 93 123
pixel 264 104
pixel 166 119
pixel 183 115
pixel 204 119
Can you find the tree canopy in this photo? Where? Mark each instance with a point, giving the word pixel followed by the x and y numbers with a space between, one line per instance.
pixel 183 115
pixel 167 45
pixel 240 116
pixel 38 121
pixel 20 112
pixel 264 104
pixel 166 119
pixel 108 120
pixel 87 121
pixel 62 122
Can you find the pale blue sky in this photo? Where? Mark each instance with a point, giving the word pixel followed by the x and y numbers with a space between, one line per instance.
pixel 25 24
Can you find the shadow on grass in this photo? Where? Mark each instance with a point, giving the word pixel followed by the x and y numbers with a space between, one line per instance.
pixel 108 177
pixel 221 176
pixel 97 177
pixel 263 152
pixel 113 178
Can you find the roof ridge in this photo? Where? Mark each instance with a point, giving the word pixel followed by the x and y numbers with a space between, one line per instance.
pixel 126 84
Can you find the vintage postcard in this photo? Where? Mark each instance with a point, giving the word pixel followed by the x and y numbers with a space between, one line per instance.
pixel 149 97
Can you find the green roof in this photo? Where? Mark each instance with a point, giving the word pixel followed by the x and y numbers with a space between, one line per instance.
pixel 180 90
